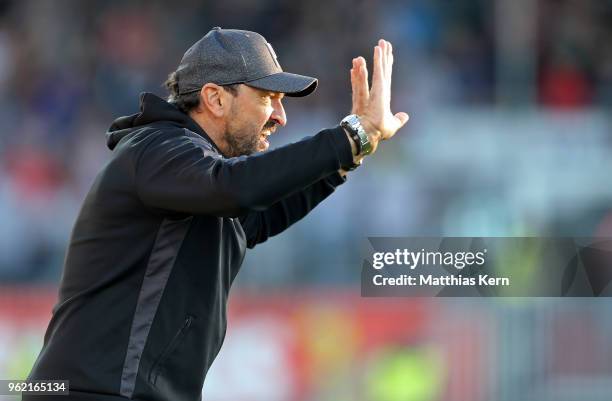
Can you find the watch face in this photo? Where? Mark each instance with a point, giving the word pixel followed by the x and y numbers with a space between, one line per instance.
pixel 352 120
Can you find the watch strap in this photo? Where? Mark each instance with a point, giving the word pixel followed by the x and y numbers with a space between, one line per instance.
pixel 353 125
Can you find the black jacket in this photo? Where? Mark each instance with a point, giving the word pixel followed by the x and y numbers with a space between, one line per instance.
pixel 158 241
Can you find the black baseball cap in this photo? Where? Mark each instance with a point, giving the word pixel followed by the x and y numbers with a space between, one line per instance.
pixel 232 56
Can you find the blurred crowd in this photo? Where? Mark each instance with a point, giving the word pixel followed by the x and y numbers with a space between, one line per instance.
pixel 68 68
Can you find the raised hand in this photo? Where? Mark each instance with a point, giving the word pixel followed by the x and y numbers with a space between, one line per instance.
pixel 373 105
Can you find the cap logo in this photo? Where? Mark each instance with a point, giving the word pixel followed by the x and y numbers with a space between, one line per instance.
pixel 273 54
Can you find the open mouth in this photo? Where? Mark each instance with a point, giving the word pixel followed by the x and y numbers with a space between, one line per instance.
pixel 265 133
pixel 264 138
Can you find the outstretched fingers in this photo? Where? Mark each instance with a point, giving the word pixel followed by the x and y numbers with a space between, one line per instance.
pixel 378 79
pixel 359 85
pixel 363 70
pixel 374 105
pixel 389 65
pixel 402 118
pixel 384 53
pixel 354 87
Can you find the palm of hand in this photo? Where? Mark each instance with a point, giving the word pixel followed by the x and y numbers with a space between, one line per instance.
pixel 373 105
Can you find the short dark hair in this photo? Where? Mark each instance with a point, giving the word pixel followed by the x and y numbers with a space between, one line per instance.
pixel 188 101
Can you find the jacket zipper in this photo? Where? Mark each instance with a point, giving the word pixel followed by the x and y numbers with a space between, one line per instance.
pixel 156 368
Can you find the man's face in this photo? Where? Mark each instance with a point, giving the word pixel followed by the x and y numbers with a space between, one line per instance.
pixel 254 115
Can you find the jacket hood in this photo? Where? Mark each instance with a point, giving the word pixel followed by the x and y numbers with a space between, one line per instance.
pixel 152 109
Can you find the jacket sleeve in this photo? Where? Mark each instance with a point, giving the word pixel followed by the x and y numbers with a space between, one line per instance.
pixel 178 173
pixel 259 226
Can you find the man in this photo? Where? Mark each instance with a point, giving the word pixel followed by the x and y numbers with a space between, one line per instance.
pixel 164 229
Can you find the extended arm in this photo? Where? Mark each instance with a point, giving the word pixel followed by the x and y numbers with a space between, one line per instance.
pixel 259 226
pixel 176 173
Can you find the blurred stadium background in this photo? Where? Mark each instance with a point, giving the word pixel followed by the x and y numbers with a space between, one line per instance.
pixel 510 135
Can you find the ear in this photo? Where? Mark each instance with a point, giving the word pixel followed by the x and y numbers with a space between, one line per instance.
pixel 215 100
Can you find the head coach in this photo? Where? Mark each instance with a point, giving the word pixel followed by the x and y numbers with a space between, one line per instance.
pixel 190 185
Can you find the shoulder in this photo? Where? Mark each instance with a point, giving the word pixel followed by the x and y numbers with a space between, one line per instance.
pixel 175 146
pixel 164 138
pixel 199 140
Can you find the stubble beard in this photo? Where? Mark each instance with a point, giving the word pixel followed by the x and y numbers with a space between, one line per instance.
pixel 240 143
pixel 244 141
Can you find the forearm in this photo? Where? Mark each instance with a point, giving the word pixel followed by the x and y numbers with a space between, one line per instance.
pixel 259 226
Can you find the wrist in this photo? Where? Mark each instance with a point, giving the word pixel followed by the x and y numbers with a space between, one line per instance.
pixel 370 130
pixel 354 149
pixel 357 158
pixel 354 128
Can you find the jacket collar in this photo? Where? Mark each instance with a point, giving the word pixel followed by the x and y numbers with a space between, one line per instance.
pixel 153 109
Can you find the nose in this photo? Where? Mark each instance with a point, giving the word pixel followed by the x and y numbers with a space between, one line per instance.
pixel 278 112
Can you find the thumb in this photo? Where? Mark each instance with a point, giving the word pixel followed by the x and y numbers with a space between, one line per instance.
pixel 402 117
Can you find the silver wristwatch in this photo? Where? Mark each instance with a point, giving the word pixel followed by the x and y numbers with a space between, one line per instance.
pixel 353 125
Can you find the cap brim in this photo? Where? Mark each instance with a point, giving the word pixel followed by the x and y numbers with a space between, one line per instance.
pixel 285 82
